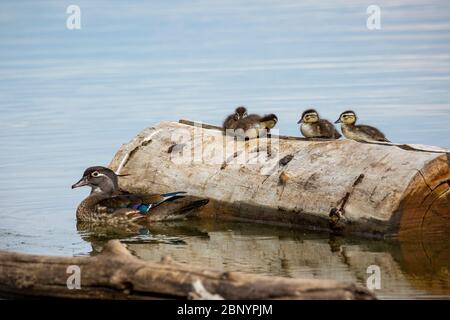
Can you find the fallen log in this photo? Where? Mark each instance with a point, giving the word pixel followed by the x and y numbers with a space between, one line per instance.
pixel 116 274
pixel 339 185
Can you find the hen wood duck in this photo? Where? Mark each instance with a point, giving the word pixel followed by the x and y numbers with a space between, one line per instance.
pixel 358 132
pixel 314 127
pixel 106 204
pixel 251 125
pixel 232 119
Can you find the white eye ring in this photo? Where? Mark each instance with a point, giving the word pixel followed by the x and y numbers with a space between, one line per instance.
pixel 95 174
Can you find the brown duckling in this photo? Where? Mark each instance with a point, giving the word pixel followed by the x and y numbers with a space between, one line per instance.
pixel 252 125
pixel 232 119
pixel 358 132
pixel 314 127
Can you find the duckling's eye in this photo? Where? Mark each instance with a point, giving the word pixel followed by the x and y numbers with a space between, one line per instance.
pixel 95 174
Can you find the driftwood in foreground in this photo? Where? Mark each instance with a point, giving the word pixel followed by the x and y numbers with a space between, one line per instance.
pixel 344 185
pixel 116 274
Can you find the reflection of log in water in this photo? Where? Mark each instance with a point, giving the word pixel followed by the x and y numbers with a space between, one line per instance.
pixel 427 262
pixel 425 255
pixel 405 269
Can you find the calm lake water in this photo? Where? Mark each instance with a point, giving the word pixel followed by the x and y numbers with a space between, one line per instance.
pixel 70 98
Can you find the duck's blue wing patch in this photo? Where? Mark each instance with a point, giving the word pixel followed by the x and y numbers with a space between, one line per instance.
pixel 143 208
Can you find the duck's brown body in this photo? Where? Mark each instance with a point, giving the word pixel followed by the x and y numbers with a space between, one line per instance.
pixel 362 133
pixel 230 122
pixel 320 129
pixel 249 122
pixel 106 205
pixel 115 210
pixel 253 125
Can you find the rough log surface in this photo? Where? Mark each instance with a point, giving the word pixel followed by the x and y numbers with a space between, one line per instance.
pixel 116 274
pixel 342 185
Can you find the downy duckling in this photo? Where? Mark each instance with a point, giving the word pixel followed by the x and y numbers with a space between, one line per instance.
pixel 232 119
pixel 107 204
pixel 252 125
pixel 268 121
pixel 358 132
pixel 314 127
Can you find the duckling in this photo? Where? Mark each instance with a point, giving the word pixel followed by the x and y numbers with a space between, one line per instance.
pixel 232 119
pixel 359 132
pixel 107 204
pixel 314 127
pixel 268 122
pixel 251 125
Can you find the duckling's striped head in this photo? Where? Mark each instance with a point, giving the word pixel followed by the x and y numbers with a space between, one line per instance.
pixel 100 179
pixel 240 113
pixel 309 116
pixel 347 117
pixel 269 121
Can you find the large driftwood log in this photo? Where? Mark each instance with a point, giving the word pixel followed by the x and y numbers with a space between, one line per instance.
pixel 344 185
pixel 116 274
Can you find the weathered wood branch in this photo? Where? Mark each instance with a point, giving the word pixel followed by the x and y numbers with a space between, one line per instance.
pixel 339 185
pixel 116 274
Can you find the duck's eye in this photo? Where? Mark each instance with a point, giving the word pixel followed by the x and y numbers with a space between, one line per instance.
pixel 95 174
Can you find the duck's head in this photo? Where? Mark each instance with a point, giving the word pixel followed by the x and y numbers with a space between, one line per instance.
pixel 240 112
pixel 347 117
pixel 269 121
pixel 309 116
pixel 100 179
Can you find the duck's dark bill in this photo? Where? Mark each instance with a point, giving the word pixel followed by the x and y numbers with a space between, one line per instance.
pixel 81 183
